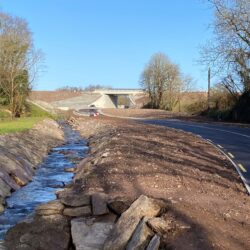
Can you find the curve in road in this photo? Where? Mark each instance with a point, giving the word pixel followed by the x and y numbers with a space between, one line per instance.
pixel 232 140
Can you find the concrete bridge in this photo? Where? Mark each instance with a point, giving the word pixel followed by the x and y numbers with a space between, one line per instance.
pixel 101 98
pixel 109 97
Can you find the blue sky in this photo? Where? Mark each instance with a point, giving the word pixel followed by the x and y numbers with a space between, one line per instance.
pixel 109 42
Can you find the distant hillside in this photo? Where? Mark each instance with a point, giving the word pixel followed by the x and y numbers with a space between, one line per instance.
pixel 52 96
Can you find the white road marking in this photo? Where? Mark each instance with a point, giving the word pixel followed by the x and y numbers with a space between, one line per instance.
pixel 219 146
pixel 231 155
pixel 242 168
pixel 239 167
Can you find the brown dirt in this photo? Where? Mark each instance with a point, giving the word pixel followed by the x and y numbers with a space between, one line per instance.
pixel 129 159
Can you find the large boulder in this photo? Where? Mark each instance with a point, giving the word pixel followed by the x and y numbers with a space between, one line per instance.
pixel 127 223
pixel 89 234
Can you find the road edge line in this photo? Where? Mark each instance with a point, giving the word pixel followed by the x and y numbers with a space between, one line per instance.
pixel 234 164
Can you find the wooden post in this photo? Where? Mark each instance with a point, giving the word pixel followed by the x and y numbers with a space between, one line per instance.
pixel 208 88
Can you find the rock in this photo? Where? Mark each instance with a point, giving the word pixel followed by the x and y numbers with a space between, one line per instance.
pixel 47 212
pixel 1 208
pixel 75 200
pixel 43 233
pixel 87 234
pixel 5 176
pixel 119 206
pixel 123 230
pixel 20 153
pixel 154 243
pixel 70 170
pixel 4 189
pixel 18 181
pixel 26 238
pixel 141 236
pixel 2 246
pixel 159 225
pixel 77 211
pixel 110 217
pixel 105 155
pixel 99 204
pixel 52 205
pixel 164 225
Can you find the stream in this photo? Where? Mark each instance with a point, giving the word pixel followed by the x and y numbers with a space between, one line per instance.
pixel 50 176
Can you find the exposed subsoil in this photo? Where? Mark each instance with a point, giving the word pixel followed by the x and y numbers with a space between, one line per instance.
pixel 129 159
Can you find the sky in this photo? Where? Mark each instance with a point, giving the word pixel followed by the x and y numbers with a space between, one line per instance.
pixel 109 42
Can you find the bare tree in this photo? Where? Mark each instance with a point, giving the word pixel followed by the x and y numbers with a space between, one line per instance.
pixel 187 85
pixel 229 53
pixel 162 80
pixel 92 87
pixel 18 61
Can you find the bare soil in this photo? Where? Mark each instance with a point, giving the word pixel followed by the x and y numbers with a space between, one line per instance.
pixel 52 96
pixel 129 159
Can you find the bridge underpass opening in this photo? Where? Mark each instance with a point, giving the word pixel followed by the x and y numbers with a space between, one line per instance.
pixel 122 100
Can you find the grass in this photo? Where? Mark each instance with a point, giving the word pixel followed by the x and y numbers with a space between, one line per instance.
pixel 33 115
pixel 18 125
pixel 35 111
pixel 4 114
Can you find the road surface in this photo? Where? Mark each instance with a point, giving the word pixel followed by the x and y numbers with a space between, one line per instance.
pixel 232 140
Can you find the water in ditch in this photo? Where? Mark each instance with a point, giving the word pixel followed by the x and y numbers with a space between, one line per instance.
pixel 49 177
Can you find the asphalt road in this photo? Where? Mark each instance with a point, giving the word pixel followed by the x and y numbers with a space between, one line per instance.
pixel 233 140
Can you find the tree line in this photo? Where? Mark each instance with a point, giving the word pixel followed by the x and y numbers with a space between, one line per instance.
pixel 227 55
pixel 19 61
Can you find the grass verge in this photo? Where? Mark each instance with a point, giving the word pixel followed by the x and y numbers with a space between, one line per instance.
pixel 33 115
pixel 18 125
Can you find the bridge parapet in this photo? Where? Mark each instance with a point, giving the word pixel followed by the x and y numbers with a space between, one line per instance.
pixel 119 91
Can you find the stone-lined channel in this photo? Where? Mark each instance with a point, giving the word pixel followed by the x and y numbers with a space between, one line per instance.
pixel 50 176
